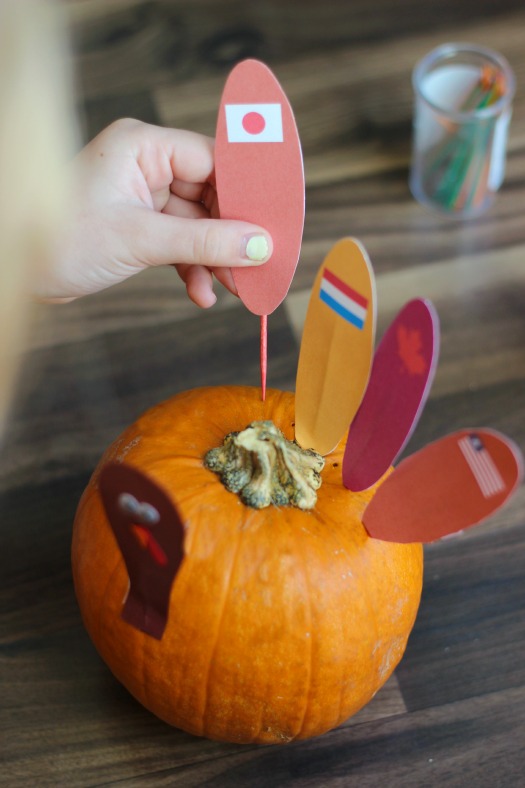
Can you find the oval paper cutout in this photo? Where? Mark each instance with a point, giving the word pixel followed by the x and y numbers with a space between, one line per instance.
pixel 447 486
pixel 260 178
pixel 402 374
pixel 336 347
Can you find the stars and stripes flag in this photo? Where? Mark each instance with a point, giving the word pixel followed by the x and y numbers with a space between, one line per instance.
pixel 254 122
pixel 343 299
pixel 482 465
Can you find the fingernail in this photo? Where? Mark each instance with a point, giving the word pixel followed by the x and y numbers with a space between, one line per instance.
pixel 255 248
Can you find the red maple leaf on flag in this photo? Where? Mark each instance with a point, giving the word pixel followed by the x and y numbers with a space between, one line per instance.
pixel 409 348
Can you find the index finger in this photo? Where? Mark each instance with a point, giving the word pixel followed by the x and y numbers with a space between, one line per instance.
pixel 192 155
pixel 165 155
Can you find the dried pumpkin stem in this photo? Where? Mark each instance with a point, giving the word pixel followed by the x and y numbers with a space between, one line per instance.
pixel 263 467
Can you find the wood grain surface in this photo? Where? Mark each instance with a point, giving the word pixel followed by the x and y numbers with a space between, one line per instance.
pixel 454 712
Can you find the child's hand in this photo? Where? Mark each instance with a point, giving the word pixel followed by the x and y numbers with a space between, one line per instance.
pixel 144 196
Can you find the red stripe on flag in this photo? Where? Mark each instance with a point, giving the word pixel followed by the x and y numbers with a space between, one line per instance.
pixel 483 468
pixel 346 289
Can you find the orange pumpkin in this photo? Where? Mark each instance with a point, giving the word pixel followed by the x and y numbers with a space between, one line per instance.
pixel 282 623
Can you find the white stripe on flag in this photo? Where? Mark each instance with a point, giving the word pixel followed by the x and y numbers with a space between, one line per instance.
pixel 489 470
pixel 344 300
pixel 269 128
pixel 483 468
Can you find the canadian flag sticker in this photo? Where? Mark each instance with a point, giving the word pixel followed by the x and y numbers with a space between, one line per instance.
pixel 254 122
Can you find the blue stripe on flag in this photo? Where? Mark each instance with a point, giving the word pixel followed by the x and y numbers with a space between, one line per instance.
pixel 348 316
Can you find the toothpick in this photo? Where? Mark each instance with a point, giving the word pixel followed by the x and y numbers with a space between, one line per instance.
pixel 264 354
pixel 462 155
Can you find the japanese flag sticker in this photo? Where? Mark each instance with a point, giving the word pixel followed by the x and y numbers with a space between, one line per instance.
pixel 254 122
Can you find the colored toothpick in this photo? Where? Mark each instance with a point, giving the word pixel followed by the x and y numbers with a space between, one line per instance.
pixel 150 535
pixel 445 487
pixel 458 171
pixel 402 374
pixel 336 347
pixel 260 179
pixel 264 354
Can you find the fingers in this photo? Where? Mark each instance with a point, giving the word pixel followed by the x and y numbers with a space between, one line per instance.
pixel 211 201
pixel 159 239
pixel 188 191
pixel 167 155
pixel 199 284
pixel 225 277
pixel 162 154
pixel 175 206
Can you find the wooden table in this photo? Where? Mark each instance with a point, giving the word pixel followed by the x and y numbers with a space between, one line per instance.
pixel 454 712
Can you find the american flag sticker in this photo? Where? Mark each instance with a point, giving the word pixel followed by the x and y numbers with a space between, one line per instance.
pixel 482 465
pixel 254 122
pixel 343 299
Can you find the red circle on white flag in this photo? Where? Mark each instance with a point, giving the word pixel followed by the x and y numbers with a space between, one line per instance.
pixel 253 123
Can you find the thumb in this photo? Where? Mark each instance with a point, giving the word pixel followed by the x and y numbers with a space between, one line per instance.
pixel 167 240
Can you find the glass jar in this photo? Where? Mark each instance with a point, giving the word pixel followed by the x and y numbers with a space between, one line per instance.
pixel 462 107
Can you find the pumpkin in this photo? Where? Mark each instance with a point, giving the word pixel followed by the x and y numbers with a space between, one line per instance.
pixel 283 622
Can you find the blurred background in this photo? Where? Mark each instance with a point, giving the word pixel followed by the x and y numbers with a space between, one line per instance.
pixel 346 68
pixel 94 365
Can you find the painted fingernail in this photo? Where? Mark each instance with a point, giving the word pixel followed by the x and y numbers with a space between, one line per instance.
pixel 255 248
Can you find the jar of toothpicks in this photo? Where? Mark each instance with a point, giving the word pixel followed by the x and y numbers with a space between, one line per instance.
pixel 463 103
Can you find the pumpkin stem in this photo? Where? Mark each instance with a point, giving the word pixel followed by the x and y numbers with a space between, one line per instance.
pixel 263 467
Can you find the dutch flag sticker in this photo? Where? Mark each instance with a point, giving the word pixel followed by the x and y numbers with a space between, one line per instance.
pixel 254 122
